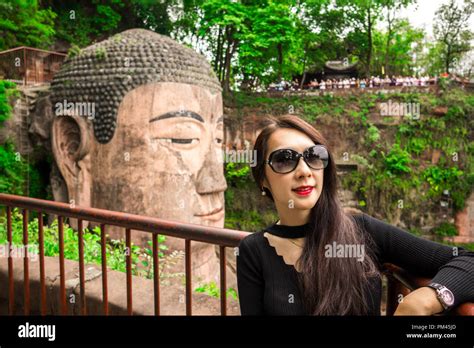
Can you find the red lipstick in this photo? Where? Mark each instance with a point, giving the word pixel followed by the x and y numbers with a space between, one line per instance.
pixel 304 190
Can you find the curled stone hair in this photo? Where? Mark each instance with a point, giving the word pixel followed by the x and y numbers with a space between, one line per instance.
pixel 103 73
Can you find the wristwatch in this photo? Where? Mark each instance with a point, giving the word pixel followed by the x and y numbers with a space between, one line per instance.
pixel 445 296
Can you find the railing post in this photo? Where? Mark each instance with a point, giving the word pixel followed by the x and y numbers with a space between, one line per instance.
pixel 26 269
pixel 156 273
pixel 222 261
pixel 104 270
pixel 41 255
pixel 128 256
pixel 62 273
pixel 189 292
pixel 11 284
pixel 82 281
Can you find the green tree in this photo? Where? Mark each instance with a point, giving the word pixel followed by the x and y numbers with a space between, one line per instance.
pixel 23 23
pixel 321 29
pixel 361 19
pixel 270 48
pixel 451 31
pixel 405 42
pixel 83 22
pixel 392 8
pixel 222 25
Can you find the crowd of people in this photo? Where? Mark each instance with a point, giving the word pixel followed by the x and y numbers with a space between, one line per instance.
pixel 372 82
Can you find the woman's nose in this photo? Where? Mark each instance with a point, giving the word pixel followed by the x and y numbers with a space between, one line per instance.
pixel 302 169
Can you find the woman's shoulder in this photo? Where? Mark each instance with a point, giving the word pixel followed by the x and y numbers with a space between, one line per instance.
pixel 358 215
pixel 252 238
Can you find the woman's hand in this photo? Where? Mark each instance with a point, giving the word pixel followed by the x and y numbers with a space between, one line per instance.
pixel 422 301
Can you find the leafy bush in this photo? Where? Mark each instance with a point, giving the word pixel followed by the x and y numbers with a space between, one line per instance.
pixel 397 161
pixel 7 89
pixel 445 229
pixel 116 250
pixel 17 176
pixel 441 178
pixel 212 290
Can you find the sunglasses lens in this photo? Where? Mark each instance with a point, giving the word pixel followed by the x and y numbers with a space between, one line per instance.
pixel 317 157
pixel 283 161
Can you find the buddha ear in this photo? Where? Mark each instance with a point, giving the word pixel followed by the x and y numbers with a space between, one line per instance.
pixel 71 141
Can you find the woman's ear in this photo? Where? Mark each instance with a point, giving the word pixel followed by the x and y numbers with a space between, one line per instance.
pixel 71 141
pixel 265 184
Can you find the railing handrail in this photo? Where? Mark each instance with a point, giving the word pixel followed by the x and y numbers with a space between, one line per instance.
pixel 207 234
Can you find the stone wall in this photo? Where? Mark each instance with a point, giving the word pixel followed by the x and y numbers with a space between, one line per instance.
pixel 172 293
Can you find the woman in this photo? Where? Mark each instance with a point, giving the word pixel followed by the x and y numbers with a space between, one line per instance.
pixel 319 260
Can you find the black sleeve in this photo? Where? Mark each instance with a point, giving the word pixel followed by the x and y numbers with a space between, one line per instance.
pixel 250 281
pixel 452 267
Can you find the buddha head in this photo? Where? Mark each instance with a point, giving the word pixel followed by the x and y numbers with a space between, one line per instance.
pixel 138 128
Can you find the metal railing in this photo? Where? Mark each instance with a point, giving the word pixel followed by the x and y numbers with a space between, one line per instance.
pixel 190 232
pixel 399 281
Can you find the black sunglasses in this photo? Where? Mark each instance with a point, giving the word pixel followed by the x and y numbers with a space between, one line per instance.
pixel 284 161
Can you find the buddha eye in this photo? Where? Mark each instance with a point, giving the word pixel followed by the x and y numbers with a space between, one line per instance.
pixel 178 141
pixel 184 141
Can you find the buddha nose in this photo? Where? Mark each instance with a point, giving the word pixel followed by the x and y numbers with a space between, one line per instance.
pixel 210 177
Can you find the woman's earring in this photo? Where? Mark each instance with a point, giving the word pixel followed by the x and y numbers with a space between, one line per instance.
pixel 263 192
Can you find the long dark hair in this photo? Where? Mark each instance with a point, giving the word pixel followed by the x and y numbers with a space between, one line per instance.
pixel 330 286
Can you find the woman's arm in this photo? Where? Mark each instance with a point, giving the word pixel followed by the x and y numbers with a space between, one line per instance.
pixel 422 301
pixel 249 277
pixel 452 267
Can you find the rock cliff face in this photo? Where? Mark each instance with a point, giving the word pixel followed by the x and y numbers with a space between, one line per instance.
pixel 29 128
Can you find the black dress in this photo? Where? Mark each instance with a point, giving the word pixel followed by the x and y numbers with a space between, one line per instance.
pixel 268 286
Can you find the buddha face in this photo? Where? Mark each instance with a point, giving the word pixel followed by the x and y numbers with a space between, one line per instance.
pixel 163 161
pixel 165 154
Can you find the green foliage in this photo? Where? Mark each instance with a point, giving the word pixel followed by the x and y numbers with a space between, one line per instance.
pixel 251 43
pixel 7 89
pixel 247 220
pixel 82 23
pixel 116 250
pixel 393 49
pixel 212 290
pixel 270 47
pixel 236 173
pixel 17 176
pixel 397 161
pixel 73 51
pixel 445 229
pixel 417 145
pixel 441 178
pixel 374 134
pixel 100 53
pixel 452 32
pixel 23 23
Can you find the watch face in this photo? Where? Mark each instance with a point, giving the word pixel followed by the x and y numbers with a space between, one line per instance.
pixel 447 296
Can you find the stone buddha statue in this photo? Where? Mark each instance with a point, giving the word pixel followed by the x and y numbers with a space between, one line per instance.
pixel 138 128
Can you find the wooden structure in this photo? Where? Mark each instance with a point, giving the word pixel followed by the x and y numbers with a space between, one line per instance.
pixel 29 66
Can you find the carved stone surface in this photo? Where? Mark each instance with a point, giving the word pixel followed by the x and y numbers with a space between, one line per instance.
pixel 153 144
pixel 103 73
